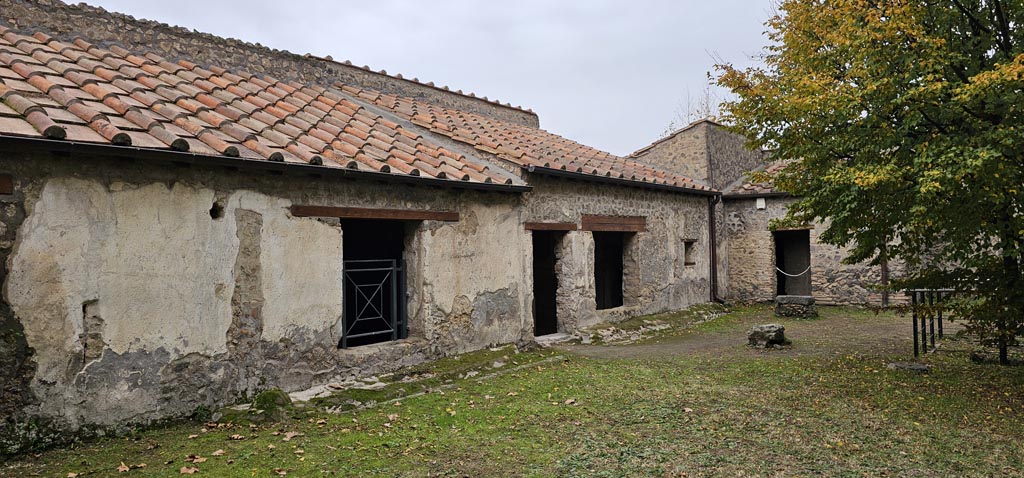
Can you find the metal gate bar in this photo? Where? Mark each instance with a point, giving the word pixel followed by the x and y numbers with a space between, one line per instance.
pixel 383 299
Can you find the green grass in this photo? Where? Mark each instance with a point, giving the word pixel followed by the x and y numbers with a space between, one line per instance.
pixel 738 414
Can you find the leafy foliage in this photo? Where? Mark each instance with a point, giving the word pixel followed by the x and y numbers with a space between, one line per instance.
pixel 908 122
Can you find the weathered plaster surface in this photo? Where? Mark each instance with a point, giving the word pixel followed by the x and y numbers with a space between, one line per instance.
pixel 301 263
pixel 472 273
pixel 145 255
pixel 656 277
pixel 136 300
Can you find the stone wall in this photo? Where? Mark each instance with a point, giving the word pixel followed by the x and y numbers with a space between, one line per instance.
pixel 751 269
pixel 730 157
pixel 705 151
pixel 656 276
pixel 137 291
pixel 98 25
pixel 684 152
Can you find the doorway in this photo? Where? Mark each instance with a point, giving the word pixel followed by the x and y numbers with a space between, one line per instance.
pixel 793 262
pixel 609 252
pixel 545 282
pixel 374 273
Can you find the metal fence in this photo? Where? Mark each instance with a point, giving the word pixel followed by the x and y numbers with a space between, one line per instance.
pixel 375 302
pixel 928 307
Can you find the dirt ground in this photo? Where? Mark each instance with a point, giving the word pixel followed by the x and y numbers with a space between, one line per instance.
pixel 839 331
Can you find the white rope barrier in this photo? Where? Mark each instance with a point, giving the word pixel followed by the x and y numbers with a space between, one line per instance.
pixel 808 269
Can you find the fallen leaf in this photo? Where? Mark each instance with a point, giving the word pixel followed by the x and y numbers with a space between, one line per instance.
pixel 198 460
pixel 123 468
pixel 236 437
pixel 512 394
pixel 299 452
pixel 185 470
pixel 288 436
pixel 393 417
pixel 570 401
pixel 688 410
pixel 218 453
pixel 271 447
pixel 450 411
pixel 72 475
pixel 321 422
pixel 193 436
pixel 280 471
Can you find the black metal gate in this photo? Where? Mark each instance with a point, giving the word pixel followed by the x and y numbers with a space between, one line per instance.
pixel 375 302
pixel 927 306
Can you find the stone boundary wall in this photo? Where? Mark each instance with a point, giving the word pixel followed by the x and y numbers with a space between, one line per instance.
pixel 99 26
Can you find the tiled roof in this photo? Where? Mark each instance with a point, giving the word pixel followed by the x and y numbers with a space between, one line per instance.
pixel 747 186
pixel 80 92
pixel 521 145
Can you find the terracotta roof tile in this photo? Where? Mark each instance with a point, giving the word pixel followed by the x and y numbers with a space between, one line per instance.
pixel 85 93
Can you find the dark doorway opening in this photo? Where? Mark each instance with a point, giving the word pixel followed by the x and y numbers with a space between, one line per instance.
pixel 374 274
pixel 609 249
pixel 793 262
pixel 545 282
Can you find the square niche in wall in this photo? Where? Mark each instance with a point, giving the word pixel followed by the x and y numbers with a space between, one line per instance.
pixel 690 252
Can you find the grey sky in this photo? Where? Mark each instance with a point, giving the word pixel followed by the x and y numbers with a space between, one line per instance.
pixel 607 73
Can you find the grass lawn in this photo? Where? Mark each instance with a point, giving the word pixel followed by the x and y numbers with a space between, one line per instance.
pixel 692 402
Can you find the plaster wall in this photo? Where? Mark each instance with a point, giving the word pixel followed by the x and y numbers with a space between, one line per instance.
pixel 656 278
pixel 127 300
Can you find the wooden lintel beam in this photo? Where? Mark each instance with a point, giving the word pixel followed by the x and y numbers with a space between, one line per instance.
pixel 551 226
pixel 367 213
pixel 614 223
pixel 6 184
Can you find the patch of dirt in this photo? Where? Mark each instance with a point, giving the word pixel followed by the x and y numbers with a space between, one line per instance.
pixel 838 332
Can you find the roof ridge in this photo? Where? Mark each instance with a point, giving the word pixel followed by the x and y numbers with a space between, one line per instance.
pixel 416 81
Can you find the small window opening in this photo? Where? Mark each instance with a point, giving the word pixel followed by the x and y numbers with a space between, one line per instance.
pixel 609 250
pixel 374 274
pixel 689 252
pixel 217 210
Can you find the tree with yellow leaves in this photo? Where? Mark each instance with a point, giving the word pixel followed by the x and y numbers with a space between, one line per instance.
pixel 907 118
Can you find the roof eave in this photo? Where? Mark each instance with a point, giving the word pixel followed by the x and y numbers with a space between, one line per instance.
pixel 178 157
pixel 756 195
pixel 619 181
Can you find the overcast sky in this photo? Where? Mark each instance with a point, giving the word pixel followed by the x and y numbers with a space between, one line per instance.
pixel 607 73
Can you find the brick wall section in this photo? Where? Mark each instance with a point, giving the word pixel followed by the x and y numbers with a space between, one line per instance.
pixel 100 26
pixel 751 263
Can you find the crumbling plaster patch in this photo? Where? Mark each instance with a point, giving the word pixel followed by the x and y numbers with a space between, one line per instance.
pixel 152 273
pixel 471 270
pixel 301 263
pixel 139 253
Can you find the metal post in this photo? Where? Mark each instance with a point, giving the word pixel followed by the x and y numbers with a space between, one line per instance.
pixel 394 301
pixel 943 296
pixel 931 315
pixel 913 308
